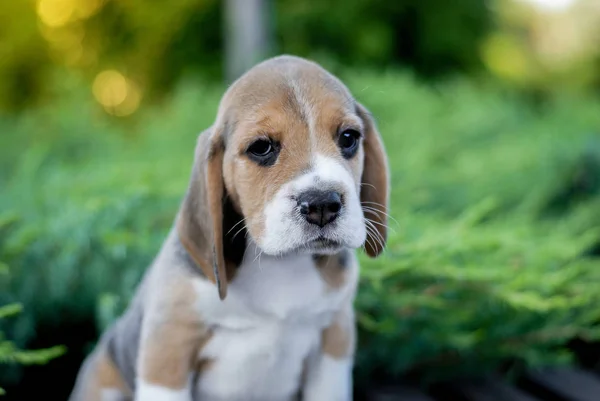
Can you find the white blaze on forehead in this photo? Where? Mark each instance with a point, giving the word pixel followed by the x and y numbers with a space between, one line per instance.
pixel 306 107
pixel 308 110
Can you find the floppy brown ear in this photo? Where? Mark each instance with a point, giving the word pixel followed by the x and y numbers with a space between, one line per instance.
pixel 374 192
pixel 200 219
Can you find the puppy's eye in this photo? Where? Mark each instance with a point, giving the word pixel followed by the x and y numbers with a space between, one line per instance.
pixel 263 151
pixel 261 148
pixel 348 142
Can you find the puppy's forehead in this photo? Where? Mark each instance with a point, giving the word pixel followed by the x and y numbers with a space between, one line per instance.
pixel 286 87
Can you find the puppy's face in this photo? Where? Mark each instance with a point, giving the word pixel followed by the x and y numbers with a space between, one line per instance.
pixel 294 158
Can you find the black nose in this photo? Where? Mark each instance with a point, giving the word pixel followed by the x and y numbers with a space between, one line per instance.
pixel 320 207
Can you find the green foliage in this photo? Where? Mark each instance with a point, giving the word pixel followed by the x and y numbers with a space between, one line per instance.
pixel 156 45
pixel 431 36
pixel 493 249
pixel 497 216
pixel 10 353
pixel 23 53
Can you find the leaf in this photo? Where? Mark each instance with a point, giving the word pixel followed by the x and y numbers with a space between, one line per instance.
pixel 10 310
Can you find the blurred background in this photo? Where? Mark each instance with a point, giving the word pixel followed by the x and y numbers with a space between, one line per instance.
pixel 490 111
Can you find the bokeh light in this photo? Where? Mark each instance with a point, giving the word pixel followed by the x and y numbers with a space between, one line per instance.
pixel 87 8
pixel 551 5
pixel 55 13
pixel 504 57
pixel 118 95
pixel 58 13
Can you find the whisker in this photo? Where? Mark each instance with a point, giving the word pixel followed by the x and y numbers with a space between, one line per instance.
pixel 383 210
pixel 372 203
pixel 239 231
pixel 257 257
pixel 376 235
pixel 371 241
pixel 377 211
pixel 375 228
pixel 379 214
pixel 375 222
pixel 374 206
pixel 381 224
pixel 235 225
pixel 368 241
pixel 377 241
pixel 371 229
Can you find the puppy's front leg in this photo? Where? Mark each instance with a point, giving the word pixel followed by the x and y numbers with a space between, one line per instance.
pixel 329 371
pixel 172 335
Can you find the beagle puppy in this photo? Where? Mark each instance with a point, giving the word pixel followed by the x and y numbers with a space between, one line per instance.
pixel 251 296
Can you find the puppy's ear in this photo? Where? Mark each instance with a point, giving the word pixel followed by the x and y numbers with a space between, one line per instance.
pixel 200 219
pixel 374 192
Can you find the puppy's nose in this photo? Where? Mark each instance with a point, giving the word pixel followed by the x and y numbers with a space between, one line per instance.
pixel 320 207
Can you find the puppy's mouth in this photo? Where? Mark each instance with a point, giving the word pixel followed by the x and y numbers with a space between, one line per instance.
pixel 324 244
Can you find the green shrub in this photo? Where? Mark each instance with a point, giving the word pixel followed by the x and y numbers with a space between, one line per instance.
pixel 493 249
pixel 10 353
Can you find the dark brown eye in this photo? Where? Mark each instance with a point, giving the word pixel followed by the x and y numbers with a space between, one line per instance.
pixel 263 151
pixel 348 143
pixel 260 148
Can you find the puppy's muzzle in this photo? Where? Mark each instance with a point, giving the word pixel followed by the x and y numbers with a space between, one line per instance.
pixel 320 207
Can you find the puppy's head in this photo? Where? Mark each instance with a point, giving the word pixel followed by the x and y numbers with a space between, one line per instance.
pixel 292 158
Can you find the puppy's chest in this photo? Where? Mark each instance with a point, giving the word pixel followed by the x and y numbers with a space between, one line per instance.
pixel 264 363
pixel 263 332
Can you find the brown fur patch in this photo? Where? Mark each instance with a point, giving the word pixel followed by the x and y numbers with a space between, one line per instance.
pixel 169 361
pixel 104 375
pixel 333 268
pixel 169 353
pixel 108 374
pixel 375 185
pixel 203 364
pixel 338 339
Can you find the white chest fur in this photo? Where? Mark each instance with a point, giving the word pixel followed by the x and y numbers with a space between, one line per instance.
pixel 263 332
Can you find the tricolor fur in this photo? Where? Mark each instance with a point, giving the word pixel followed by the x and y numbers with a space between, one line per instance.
pixel 250 297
